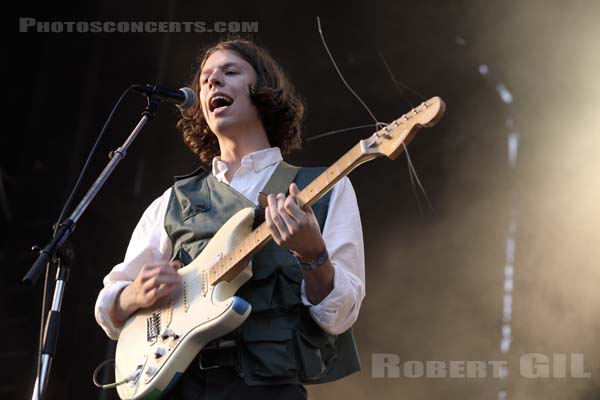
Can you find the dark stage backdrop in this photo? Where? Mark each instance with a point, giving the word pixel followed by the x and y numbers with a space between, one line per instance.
pixel 502 265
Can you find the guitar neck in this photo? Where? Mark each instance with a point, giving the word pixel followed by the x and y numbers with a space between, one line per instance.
pixel 231 264
pixel 389 141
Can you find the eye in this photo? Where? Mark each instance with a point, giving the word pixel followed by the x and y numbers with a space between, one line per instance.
pixel 230 72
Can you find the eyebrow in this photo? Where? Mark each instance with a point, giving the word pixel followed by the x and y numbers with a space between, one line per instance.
pixel 224 66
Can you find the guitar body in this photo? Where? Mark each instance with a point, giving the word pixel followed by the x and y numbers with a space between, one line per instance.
pixel 157 344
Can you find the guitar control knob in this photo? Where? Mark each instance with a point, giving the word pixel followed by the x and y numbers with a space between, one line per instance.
pixel 164 335
pixel 159 352
pixel 150 371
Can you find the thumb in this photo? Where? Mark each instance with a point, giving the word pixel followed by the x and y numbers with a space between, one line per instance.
pixel 310 213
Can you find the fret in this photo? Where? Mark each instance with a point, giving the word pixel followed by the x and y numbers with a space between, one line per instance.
pixel 353 151
pixel 323 177
pixel 327 176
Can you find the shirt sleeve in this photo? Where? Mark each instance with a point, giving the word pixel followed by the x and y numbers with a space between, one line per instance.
pixel 343 237
pixel 149 244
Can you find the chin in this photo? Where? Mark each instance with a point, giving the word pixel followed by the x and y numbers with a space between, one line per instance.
pixel 222 126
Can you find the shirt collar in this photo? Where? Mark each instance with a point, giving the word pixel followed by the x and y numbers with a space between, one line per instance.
pixel 257 160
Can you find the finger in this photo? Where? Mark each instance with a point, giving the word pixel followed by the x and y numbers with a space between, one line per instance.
pixel 158 293
pixel 162 279
pixel 169 269
pixel 291 206
pixel 294 191
pixel 272 227
pixel 286 216
pixel 291 224
pixel 276 218
pixel 149 268
pixel 166 289
pixel 175 264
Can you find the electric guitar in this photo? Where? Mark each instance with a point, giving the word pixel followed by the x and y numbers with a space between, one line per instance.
pixel 159 343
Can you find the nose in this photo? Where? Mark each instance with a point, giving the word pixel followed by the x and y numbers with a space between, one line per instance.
pixel 214 79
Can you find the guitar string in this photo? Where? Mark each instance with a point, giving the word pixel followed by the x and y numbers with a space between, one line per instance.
pixel 412 171
pixel 322 135
pixel 377 123
pixel 398 83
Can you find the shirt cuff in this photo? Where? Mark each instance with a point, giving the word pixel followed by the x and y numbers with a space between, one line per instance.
pixel 105 301
pixel 336 313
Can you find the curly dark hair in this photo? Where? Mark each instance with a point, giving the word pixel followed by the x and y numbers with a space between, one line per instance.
pixel 280 108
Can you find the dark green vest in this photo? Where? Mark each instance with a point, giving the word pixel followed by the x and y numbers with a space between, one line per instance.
pixel 279 342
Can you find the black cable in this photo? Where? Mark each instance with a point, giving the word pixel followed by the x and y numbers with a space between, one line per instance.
pixel 55 228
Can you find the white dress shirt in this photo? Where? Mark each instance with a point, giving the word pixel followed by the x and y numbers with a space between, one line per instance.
pixel 342 234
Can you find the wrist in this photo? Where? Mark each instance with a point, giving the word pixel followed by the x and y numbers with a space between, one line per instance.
pixel 308 255
pixel 126 302
pixel 313 262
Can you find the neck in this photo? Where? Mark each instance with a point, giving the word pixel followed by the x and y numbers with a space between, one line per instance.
pixel 235 147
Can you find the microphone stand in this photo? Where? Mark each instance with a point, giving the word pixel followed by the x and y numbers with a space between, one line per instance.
pixel 58 252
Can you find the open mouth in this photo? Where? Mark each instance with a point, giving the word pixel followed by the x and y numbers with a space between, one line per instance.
pixel 219 101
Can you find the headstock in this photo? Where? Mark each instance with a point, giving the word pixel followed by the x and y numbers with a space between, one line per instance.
pixel 388 140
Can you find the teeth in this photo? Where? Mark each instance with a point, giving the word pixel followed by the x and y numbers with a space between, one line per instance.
pixel 217 99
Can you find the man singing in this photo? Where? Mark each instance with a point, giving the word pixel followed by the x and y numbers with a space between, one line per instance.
pixel 307 285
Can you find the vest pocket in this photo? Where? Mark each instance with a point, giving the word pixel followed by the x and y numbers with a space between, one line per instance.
pixel 270 353
pixel 311 363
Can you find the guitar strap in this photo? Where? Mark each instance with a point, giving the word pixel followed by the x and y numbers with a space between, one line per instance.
pixel 279 182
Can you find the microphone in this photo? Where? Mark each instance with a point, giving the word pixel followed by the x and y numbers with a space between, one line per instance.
pixel 184 98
